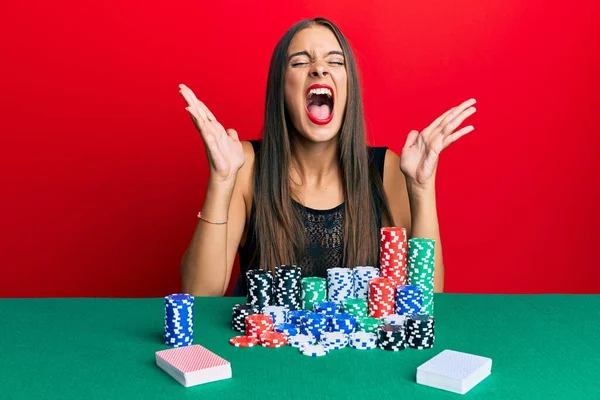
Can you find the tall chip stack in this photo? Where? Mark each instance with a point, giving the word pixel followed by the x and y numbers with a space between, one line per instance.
pixel 421 263
pixel 287 286
pixel 381 297
pixel 260 288
pixel 340 284
pixel 314 290
pixel 392 254
pixel 179 320
pixel 362 275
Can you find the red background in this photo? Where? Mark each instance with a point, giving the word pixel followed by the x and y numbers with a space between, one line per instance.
pixel 102 172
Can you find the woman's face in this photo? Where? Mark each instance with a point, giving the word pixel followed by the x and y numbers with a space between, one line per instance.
pixel 316 84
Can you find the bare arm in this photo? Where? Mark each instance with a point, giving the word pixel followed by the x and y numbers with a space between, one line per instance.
pixel 207 263
pixel 416 212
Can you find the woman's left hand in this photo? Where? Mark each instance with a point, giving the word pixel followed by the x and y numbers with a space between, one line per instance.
pixel 421 151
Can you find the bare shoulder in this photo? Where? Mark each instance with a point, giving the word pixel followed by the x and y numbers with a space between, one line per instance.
pixel 394 186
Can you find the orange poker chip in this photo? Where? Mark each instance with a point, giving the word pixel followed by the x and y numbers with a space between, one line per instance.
pixel 244 341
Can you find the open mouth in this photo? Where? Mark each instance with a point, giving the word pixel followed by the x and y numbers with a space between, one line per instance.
pixel 319 104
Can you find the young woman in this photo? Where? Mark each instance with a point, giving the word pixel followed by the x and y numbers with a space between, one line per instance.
pixel 311 192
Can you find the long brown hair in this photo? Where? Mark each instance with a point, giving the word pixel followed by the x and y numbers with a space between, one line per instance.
pixel 277 221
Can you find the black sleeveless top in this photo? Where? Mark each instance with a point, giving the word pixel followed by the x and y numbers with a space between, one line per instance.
pixel 324 230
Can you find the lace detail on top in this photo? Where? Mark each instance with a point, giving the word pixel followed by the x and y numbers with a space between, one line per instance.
pixel 325 235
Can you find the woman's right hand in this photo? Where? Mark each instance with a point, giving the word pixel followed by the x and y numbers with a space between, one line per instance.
pixel 223 147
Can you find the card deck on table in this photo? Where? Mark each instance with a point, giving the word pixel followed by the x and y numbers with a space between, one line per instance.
pixel 193 365
pixel 454 371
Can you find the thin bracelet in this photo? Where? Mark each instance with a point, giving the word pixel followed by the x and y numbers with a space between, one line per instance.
pixel 210 222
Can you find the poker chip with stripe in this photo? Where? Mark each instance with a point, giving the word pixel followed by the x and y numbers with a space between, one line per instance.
pixel 295 316
pixel 273 339
pixel 179 324
pixel 279 314
pixel 244 341
pixel 420 332
pixel 394 319
pixel 287 329
pixel 368 324
pixel 314 290
pixel 421 263
pixel 363 340
pixel 409 300
pixel 340 284
pixel 260 288
pixel 391 337
pixel 361 276
pixel 343 322
pixel 333 340
pixel 287 286
pixel 299 340
pixel 392 254
pixel 257 324
pixel 313 350
pixel 239 314
pixel 381 297
pixel 356 307
pixel 314 324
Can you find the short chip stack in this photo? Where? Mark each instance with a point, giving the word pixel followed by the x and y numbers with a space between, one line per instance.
pixel 381 297
pixel 179 320
pixel 420 332
pixel 392 254
pixel 260 288
pixel 421 263
pixel 356 307
pixel 314 290
pixel 287 289
pixel 391 337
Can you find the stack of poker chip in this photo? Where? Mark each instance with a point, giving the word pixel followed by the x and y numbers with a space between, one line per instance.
pixel 295 316
pixel 260 288
pixel 340 284
pixel 314 290
pixel 363 340
pixel 179 324
pixel 368 324
pixel 409 300
pixel 394 319
pixel 343 323
pixel 381 297
pixel 300 340
pixel 287 329
pixel 279 314
pixel 420 333
pixel 314 324
pixel 257 324
pixel 313 350
pixel 361 276
pixel 356 307
pixel 392 254
pixel 334 340
pixel 272 339
pixel 287 289
pixel 391 337
pixel 421 263
pixel 239 314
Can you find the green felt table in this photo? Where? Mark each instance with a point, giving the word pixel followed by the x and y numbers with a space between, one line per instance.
pixel 542 347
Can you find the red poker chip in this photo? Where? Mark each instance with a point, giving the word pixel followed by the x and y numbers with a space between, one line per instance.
pixel 244 341
pixel 273 339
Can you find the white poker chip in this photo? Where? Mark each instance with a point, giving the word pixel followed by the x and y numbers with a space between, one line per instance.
pixel 313 350
pixel 299 340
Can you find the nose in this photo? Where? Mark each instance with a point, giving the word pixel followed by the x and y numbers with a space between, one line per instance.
pixel 319 69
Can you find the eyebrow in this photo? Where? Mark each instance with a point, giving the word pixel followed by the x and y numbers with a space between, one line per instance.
pixel 305 53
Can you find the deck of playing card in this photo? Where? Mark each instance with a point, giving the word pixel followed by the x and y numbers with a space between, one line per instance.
pixel 454 371
pixel 193 365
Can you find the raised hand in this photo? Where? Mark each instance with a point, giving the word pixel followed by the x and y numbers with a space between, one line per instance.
pixel 421 151
pixel 223 147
